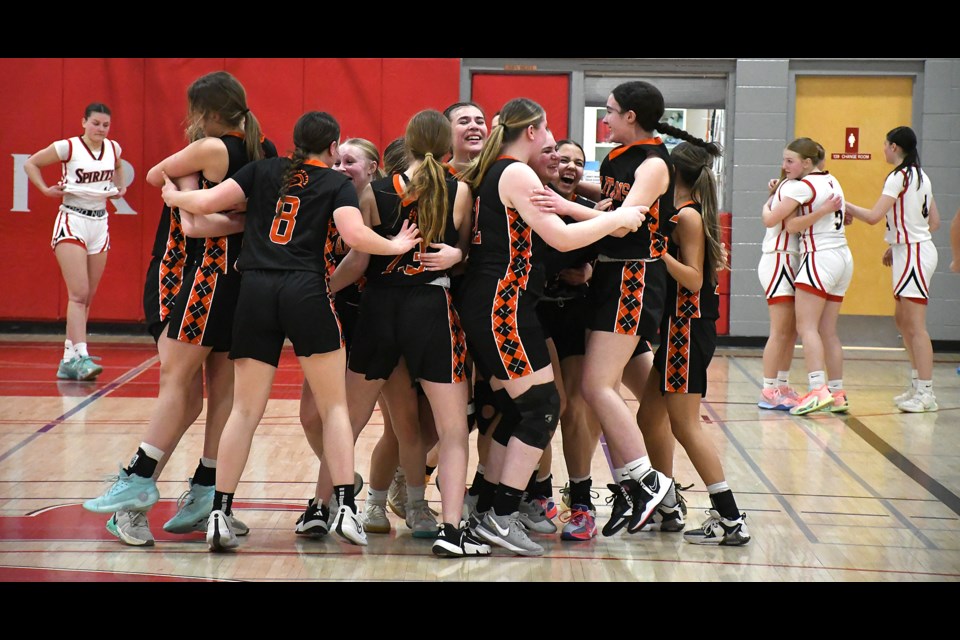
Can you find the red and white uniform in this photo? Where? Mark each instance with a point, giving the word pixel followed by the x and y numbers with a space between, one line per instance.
pixel 87 178
pixel 826 264
pixel 778 264
pixel 908 232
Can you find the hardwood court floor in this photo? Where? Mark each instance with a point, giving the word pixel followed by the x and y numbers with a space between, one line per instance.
pixel 871 496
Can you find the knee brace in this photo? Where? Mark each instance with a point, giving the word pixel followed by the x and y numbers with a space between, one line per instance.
pixel 509 416
pixel 539 410
pixel 485 405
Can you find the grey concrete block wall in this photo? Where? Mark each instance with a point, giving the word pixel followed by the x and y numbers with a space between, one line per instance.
pixel 760 108
pixel 759 117
pixel 940 156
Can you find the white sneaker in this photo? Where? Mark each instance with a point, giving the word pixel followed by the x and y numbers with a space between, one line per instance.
pixel 347 525
pixel 906 395
pixel 219 535
pixel 375 519
pixel 421 520
pixel 397 494
pixel 131 527
pixel 920 402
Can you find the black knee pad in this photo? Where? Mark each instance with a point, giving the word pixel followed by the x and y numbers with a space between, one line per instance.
pixel 485 405
pixel 539 410
pixel 509 416
pixel 486 409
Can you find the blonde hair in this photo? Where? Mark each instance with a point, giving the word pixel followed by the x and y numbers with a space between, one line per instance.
pixel 515 117
pixel 370 152
pixel 427 139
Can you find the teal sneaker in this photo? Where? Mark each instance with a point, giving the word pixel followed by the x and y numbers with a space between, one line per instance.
pixel 132 528
pixel 130 492
pixel 193 510
pixel 87 369
pixel 68 369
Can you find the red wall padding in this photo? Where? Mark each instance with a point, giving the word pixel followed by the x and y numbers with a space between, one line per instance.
pixel 371 98
pixel 723 278
pixel 492 90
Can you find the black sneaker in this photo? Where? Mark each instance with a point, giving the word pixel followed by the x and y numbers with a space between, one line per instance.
pixel 647 494
pixel 621 509
pixel 313 521
pixel 452 542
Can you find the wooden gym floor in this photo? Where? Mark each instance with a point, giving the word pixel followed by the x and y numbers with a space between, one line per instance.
pixel 871 496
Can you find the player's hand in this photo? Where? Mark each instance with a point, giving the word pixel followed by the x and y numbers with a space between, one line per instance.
pixel 632 217
pixel 56 191
pixel 444 258
pixel 887 258
pixel 407 238
pixel 168 189
pixel 548 201
pixel 604 205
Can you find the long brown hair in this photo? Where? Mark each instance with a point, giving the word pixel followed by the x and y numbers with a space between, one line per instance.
pixel 694 167
pixel 427 139
pixel 221 93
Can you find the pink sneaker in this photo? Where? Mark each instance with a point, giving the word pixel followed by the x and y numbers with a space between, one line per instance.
pixel 778 399
pixel 814 399
pixel 840 402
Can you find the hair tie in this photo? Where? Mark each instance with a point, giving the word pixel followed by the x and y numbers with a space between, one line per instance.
pixel 428 154
pixel 246 111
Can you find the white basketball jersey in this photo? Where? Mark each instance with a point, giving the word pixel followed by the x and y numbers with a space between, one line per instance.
pixel 777 238
pixel 87 177
pixel 907 221
pixel 812 192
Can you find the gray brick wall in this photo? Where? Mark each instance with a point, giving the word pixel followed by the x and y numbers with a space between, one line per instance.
pixel 940 156
pixel 760 110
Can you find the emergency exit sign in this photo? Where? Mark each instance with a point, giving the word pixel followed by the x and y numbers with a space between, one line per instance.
pixel 851 146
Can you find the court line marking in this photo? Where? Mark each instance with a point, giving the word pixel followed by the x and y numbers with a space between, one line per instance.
pixel 107 389
pixel 900 461
pixel 787 507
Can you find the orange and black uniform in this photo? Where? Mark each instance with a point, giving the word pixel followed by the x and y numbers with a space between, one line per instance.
pixel 629 279
pixel 505 277
pixel 405 310
pixel 287 259
pixel 168 259
pixel 688 333
pixel 562 309
pixel 203 309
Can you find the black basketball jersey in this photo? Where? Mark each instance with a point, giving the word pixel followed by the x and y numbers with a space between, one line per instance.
pixel 405 269
pixel 683 303
pixel 504 246
pixel 222 251
pixel 293 233
pixel 617 173
pixel 555 261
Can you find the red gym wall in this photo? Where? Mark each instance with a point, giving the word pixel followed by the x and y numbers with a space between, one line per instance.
pixel 371 98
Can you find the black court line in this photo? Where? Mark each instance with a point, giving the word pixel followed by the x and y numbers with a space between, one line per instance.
pixel 918 475
pixel 897 514
pixel 788 509
pixel 901 462
pixel 129 375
